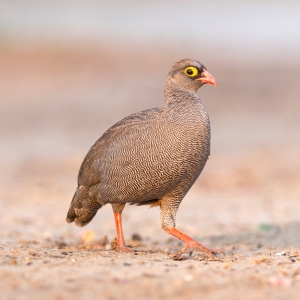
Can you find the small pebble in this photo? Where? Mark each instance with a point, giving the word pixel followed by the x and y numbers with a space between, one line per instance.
pixel 188 278
pixel 280 281
pixel 226 265
pixel 280 253
pixel 136 237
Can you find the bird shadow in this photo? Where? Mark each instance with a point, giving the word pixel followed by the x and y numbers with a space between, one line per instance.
pixel 265 236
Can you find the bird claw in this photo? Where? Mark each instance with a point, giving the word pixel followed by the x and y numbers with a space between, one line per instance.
pixel 216 253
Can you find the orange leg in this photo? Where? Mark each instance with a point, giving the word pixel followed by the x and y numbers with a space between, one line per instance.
pixel 190 243
pixel 120 237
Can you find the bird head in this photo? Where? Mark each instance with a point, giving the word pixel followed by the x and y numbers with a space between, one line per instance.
pixel 190 75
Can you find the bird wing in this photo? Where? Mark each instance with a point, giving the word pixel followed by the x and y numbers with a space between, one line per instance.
pixel 113 140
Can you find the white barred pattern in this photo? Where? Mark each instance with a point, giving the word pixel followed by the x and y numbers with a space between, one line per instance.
pixel 153 156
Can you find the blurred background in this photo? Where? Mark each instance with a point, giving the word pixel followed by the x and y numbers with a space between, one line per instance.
pixel 71 69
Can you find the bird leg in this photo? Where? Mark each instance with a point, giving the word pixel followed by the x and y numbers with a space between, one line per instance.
pixel 118 208
pixel 167 219
pixel 190 243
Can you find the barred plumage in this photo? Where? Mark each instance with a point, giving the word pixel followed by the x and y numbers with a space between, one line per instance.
pixel 152 157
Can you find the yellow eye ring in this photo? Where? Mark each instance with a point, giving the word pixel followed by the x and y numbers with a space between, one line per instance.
pixel 191 71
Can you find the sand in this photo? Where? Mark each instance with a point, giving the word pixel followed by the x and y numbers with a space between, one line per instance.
pixel 57 100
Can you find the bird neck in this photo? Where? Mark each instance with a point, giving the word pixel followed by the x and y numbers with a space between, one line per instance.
pixel 176 96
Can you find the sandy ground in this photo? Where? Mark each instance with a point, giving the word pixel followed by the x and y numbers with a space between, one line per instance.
pixel 56 101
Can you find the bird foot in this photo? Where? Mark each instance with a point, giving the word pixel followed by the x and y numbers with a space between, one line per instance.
pixel 120 246
pixel 191 245
pixel 124 249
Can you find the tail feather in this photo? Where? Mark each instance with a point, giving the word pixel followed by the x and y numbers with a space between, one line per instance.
pixel 83 207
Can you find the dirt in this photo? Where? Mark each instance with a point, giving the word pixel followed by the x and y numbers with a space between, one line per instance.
pixel 57 100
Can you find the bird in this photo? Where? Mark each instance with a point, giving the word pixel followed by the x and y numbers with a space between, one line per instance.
pixel 152 157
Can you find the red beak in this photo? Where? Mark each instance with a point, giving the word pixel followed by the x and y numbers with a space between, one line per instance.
pixel 207 78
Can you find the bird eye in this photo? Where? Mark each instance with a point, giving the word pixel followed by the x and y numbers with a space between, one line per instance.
pixel 191 71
